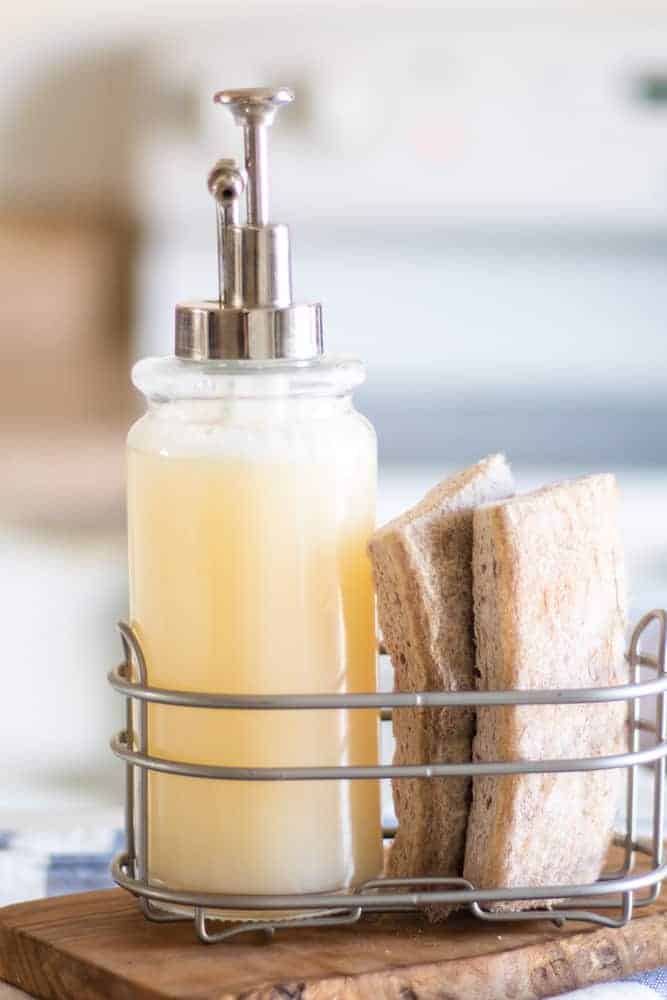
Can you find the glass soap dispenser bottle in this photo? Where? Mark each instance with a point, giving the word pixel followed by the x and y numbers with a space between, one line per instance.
pixel 251 498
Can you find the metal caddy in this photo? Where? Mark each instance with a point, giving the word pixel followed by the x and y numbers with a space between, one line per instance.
pixel 620 892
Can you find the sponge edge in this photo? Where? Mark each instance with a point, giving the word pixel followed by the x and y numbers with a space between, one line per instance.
pixel 422 567
pixel 549 613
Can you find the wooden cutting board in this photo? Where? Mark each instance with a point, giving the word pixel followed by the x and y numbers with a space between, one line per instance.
pixel 98 945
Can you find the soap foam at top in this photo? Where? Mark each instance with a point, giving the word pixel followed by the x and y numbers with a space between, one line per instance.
pixel 267 430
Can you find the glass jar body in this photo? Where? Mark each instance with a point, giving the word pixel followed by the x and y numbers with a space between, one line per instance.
pixel 251 497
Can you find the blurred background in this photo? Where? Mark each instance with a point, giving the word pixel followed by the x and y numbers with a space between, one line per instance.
pixel 477 193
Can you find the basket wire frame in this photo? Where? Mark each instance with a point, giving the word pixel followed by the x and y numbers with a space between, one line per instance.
pixel 622 891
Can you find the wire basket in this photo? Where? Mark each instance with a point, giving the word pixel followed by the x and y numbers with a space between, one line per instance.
pixel 622 891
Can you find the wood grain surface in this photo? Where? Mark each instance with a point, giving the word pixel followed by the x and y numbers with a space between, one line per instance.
pixel 98 945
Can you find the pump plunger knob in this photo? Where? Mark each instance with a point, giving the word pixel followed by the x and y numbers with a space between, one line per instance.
pixel 256 105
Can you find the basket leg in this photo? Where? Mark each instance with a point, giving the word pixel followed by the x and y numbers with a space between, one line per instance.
pixel 341 917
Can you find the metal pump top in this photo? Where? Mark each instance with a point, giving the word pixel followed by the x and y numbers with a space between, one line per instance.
pixel 254 317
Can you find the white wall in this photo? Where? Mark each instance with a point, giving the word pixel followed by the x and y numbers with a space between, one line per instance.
pixel 474 113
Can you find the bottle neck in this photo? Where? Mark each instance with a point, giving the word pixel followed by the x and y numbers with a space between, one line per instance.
pixel 170 380
pixel 251 410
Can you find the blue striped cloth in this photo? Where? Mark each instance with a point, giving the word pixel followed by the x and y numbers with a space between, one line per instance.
pixel 33 865
pixel 55 864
